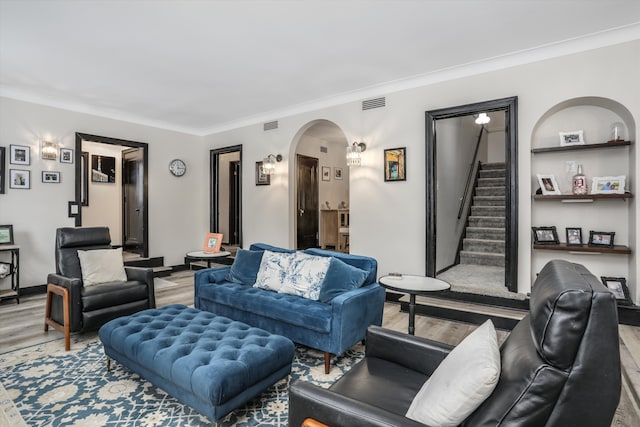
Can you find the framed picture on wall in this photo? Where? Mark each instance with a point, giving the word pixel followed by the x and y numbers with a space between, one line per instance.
pixel 19 179
pixel 2 171
pixel 66 155
pixel 20 155
pixel 261 177
pixel 103 168
pixel 326 173
pixel 337 173
pixel 395 164
pixel 49 177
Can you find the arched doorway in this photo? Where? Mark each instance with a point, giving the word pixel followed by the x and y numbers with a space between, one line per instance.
pixel 320 185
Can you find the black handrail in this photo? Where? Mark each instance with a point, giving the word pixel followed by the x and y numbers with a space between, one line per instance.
pixel 463 201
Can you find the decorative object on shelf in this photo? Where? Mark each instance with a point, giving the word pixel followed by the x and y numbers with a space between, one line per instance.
pixel 66 155
pixel 337 173
pixel 2 170
pixel 574 236
pixel 548 184
pixel 354 156
pixel 261 177
pixel 50 177
pixel 177 167
pixel 6 234
pixel 19 179
pixel 74 209
pixel 103 168
pixel 601 238
pixel 343 205
pixel 84 178
pixel 326 173
pixel 395 164
pixel 608 185
pixel 49 150
pixel 579 182
pixel 618 132
pixel 575 137
pixel 545 235
pixel 20 155
pixel 618 287
pixel 327 205
pixel 212 242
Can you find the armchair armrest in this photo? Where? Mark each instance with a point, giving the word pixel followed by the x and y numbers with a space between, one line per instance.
pixel 419 354
pixel 74 285
pixel 310 401
pixel 144 275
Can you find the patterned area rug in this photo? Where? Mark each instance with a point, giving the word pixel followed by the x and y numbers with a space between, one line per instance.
pixel 46 386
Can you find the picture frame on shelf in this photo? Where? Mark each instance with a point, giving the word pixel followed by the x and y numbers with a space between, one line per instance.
pixel 19 155
pixel 618 287
pixel 49 177
pixel 20 179
pixel 395 160
pixel 261 177
pixel 66 155
pixel 575 137
pixel 574 236
pixel 545 235
pixel 326 173
pixel 601 238
pixel 548 184
pixel 212 242
pixel 608 184
pixel 6 234
pixel 337 173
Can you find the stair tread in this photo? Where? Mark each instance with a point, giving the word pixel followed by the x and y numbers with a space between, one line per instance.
pixel 469 307
pixel 481 254
pixel 475 239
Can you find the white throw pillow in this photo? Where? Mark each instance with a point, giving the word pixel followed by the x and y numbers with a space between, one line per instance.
pixel 464 379
pixel 273 269
pixel 102 265
pixel 305 276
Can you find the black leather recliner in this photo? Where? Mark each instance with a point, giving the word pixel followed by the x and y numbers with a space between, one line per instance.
pixel 560 366
pixel 91 307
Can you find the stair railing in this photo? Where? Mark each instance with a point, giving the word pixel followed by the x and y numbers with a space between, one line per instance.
pixel 467 187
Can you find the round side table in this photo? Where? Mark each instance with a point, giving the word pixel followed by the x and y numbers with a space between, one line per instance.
pixel 204 256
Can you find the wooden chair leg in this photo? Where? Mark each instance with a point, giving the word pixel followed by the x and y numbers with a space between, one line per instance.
pixel 48 321
pixel 327 362
pixel 310 422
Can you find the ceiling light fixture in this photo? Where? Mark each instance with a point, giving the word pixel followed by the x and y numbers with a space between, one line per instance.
pixel 49 150
pixel 354 158
pixel 483 119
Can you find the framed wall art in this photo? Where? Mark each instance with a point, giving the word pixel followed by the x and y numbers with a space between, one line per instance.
pixel 261 177
pixel 548 184
pixel 19 155
pixel 395 164
pixel 19 179
pixel 618 287
pixel 545 235
pixel 103 169
pixel 66 155
pixel 337 173
pixel 2 170
pixel 50 177
pixel 326 173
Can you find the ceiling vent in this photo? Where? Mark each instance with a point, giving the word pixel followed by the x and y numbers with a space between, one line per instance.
pixel 271 125
pixel 374 103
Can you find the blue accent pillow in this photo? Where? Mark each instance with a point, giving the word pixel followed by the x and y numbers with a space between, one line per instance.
pixel 244 269
pixel 341 277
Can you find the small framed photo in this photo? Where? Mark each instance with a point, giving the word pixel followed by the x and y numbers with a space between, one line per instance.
pixel 20 155
pixel 20 179
pixel 212 242
pixel 50 177
pixel 261 177
pixel 601 238
pixel 66 155
pixel 618 287
pixel 548 184
pixel 575 137
pixel 607 185
pixel 545 235
pixel 395 164
pixel 574 236
pixel 6 234
pixel 326 173
pixel 337 173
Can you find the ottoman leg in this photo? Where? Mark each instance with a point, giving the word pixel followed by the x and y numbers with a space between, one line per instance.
pixel 108 364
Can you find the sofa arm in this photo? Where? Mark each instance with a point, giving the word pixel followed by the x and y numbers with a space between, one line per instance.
pixel 211 275
pixel 310 401
pixel 144 275
pixel 418 354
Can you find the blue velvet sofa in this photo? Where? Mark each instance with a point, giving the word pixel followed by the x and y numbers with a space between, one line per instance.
pixel 333 326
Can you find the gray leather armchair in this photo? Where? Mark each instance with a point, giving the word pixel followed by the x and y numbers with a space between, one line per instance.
pixel 560 366
pixel 90 307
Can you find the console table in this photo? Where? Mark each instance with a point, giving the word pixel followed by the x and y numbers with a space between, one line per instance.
pixel 14 272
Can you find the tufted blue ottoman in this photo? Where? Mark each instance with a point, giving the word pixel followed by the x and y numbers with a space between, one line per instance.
pixel 208 362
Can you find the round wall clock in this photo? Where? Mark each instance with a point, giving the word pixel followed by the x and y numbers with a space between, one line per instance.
pixel 177 167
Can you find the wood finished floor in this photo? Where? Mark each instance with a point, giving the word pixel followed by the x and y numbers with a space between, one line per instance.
pixel 21 325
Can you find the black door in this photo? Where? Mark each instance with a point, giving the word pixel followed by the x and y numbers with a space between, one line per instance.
pixel 234 203
pixel 307 202
pixel 132 200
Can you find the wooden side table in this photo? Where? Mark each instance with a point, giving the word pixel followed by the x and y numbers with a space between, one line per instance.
pixel 14 269
pixel 204 256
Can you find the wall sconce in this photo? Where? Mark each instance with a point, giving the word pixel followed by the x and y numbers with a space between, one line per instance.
pixel 269 163
pixel 49 150
pixel 482 119
pixel 353 153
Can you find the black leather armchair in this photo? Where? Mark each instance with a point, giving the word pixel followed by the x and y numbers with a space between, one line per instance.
pixel 90 307
pixel 560 366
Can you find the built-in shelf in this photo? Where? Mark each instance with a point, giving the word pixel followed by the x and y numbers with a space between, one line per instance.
pixel 582 196
pixel 612 144
pixel 616 249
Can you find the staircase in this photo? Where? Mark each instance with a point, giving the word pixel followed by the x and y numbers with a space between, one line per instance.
pixel 485 232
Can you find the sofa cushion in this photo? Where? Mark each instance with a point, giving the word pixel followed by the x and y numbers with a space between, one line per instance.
pixel 340 278
pixel 265 247
pixel 245 267
pixel 368 264
pixel 101 266
pixel 305 276
pixel 273 269
pixel 464 379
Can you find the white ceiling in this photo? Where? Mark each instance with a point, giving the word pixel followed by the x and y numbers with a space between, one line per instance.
pixel 205 66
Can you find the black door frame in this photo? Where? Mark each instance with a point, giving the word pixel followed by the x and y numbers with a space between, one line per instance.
pixel 234 201
pixel 145 158
pixel 125 203
pixel 510 106
pixel 214 187
pixel 297 205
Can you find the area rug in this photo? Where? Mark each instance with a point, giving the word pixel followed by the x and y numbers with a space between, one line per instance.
pixel 44 386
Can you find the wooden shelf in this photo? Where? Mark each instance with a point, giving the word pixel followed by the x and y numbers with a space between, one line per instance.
pixel 582 196
pixel 616 249
pixel 580 147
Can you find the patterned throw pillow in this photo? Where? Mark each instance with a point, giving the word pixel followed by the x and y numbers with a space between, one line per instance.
pixel 305 276
pixel 273 269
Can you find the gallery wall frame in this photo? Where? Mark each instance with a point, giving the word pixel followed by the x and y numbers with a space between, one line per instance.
pixel 20 179
pixel 261 177
pixel 19 155
pixel 66 155
pixel 326 173
pixel 103 169
pixel 50 177
pixel 395 160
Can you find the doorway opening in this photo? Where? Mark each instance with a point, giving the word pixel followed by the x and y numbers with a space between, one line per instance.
pixel 112 190
pixel 226 195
